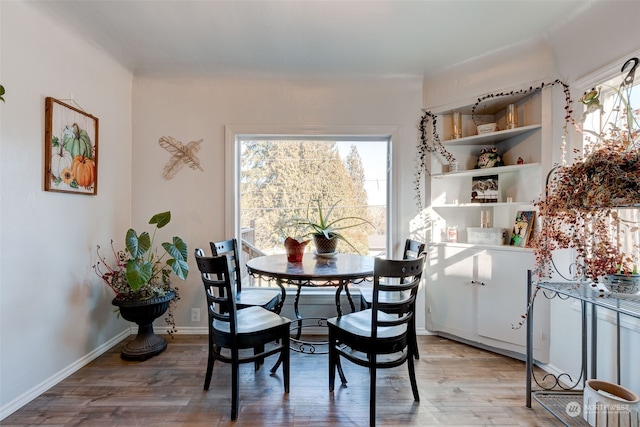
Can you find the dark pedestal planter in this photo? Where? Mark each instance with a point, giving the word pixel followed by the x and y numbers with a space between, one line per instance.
pixel 143 313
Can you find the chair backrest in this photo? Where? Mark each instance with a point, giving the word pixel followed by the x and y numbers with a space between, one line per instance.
pixel 399 280
pixel 229 248
pixel 221 304
pixel 412 249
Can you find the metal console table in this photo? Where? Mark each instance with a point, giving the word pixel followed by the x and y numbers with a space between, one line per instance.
pixel 557 397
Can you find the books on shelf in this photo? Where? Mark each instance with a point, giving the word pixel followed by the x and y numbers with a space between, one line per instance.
pixel 522 228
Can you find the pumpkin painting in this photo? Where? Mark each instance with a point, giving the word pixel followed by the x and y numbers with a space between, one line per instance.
pixel 83 169
pixel 71 149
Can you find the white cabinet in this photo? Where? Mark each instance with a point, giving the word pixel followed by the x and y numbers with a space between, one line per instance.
pixel 479 294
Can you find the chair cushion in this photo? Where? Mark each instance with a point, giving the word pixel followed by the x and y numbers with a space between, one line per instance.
pixel 253 319
pixel 260 297
pixel 359 323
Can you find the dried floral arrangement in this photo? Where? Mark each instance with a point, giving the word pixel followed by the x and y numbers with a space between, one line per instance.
pixel 580 208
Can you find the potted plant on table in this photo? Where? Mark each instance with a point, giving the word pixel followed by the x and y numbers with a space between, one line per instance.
pixel 585 208
pixel 141 282
pixel 325 230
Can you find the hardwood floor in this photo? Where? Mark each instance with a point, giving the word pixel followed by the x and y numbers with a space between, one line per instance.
pixel 459 386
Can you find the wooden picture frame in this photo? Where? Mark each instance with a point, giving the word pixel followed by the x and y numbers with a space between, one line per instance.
pixel 522 227
pixel 71 149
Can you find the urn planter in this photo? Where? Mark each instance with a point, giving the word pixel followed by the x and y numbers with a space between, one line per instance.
pixel 143 312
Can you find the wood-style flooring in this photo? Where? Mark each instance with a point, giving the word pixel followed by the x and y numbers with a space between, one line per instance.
pixel 459 386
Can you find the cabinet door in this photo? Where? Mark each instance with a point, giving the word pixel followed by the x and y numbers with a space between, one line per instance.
pixel 502 299
pixel 451 297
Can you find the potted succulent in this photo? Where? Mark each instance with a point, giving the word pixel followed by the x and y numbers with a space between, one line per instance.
pixel 325 230
pixel 592 205
pixel 141 282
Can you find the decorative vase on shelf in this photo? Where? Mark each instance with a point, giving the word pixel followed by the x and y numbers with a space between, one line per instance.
pixel 143 313
pixel 295 249
pixel 324 245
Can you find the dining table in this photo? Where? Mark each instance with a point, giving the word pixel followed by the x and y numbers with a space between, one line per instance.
pixel 315 270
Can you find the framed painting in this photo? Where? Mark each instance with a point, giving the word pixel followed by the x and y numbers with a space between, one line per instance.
pixel 522 228
pixel 71 149
pixel 484 189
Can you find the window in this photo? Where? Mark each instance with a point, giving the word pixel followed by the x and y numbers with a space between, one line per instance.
pixel 276 174
pixel 280 176
pixel 608 113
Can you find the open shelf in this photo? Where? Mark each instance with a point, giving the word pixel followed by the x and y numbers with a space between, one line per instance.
pixel 491 138
pixel 487 171
pixel 560 403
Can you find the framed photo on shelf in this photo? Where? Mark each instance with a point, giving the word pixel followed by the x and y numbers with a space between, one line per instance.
pixel 522 228
pixel 71 149
pixel 484 189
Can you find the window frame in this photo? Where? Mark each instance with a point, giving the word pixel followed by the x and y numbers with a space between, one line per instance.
pixel 234 134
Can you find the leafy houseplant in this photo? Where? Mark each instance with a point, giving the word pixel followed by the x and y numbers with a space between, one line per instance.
pixel 581 209
pixel 141 278
pixel 324 229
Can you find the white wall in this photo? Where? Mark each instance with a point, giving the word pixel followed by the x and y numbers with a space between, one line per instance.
pixel 597 37
pixel 53 311
pixel 193 109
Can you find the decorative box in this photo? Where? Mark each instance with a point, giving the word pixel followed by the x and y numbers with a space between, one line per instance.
pixel 486 236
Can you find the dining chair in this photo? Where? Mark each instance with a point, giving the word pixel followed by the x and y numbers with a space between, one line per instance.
pixel 412 250
pixel 234 332
pixel 269 298
pixel 380 336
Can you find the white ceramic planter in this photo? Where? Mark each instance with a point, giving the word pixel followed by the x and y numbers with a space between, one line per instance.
pixel 610 405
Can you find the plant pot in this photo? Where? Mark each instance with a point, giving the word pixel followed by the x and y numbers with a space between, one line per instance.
pixel 295 249
pixel 324 245
pixel 143 313
pixel 622 283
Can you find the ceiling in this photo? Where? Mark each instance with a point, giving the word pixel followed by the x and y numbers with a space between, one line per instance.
pixel 307 37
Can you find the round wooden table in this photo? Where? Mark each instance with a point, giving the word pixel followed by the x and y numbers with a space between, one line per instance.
pixel 314 271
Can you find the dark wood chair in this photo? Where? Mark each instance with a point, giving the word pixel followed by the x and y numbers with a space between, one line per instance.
pixel 234 332
pixel 412 250
pixel 382 336
pixel 269 298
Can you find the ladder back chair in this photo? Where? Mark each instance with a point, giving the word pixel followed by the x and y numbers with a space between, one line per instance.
pixel 382 336
pixel 412 250
pixel 269 298
pixel 233 332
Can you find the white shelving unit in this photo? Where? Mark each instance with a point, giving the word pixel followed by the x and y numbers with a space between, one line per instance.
pixel 476 293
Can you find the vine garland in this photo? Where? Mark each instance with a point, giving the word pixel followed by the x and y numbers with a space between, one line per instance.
pixel 424 146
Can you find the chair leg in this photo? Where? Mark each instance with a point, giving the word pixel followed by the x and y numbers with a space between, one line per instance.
pixel 372 391
pixel 235 385
pixel 412 378
pixel 333 356
pixel 286 360
pixel 210 362
pixel 259 362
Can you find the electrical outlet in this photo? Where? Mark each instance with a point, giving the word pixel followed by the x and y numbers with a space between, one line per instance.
pixel 195 314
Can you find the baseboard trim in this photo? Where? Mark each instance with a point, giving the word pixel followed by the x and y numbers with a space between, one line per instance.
pixel 36 391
